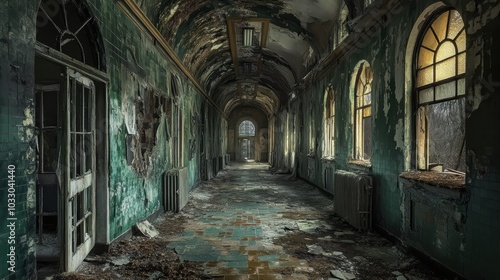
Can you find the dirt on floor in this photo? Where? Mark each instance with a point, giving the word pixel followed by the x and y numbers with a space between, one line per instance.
pixel 306 230
pixel 139 258
pixel 342 248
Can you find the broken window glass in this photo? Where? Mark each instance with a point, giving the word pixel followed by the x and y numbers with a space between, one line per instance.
pixel 440 87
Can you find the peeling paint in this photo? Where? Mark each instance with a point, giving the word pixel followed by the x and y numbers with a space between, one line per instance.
pixel 387 105
pixel 399 135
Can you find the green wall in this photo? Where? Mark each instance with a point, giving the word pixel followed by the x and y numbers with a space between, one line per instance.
pixel 135 67
pixel 17 133
pixel 459 229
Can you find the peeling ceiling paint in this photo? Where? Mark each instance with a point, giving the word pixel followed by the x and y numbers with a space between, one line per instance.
pixel 299 36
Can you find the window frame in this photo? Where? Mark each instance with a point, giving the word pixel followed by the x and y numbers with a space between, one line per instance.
pixel 329 123
pixel 246 131
pixel 359 110
pixel 421 108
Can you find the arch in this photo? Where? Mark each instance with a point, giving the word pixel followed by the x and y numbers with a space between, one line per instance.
pixel 329 122
pixel 361 100
pixel 69 42
pixel 408 77
pixel 420 56
pixel 246 129
pixel 69 27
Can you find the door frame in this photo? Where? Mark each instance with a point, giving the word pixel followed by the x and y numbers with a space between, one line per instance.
pixel 101 81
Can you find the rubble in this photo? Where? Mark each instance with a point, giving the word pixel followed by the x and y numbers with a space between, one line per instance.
pixel 145 228
pixel 231 228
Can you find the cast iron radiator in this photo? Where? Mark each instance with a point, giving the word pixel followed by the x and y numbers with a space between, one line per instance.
pixel 353 198
pixel 175 190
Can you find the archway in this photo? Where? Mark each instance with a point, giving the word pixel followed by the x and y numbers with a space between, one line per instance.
pixel 246 141
pixel 71 118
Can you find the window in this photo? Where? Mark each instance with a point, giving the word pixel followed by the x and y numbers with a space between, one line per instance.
pixel 176 124
pixel 329 122
pixel 341 31
pixel 247 129
pixel 440 90
pixel 363 113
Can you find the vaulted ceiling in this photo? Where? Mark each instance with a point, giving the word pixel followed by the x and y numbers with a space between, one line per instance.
pixel 288 37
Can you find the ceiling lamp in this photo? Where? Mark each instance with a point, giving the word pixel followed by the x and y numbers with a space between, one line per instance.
pixel 248 37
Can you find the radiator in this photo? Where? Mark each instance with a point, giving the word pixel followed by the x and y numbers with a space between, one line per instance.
pixel 175 190
pixel 353 198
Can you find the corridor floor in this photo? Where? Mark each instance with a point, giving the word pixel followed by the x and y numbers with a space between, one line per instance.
pixel 251 224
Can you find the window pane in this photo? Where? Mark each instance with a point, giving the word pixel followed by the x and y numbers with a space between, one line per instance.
pixel 461 87
pixel 461 41
pixel 50 108
pixel 446 134
pixel 456 24
pixel 80 206
pixel 367 138
pixel 446 91
pixel 49 149
pixel 430 40
pixel 446 69
pixel 88 153
pixel 360 89
pixel 425 58
pixel 86 109
pixel 367 111
pixel 72 103
pixel 425 76
pixel 440 25
pixel 426 95
pixel 79 105
pixel 72 156
pixel 368 99
pixel 368 89
pixel 88 233
pixel 446 50
pixel 79 155
pixel 461 64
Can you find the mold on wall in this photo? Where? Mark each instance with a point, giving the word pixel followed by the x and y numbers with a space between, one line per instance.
pixel 17 137
pixel 447 224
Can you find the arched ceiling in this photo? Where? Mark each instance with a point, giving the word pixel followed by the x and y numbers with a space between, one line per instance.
pixel 288 38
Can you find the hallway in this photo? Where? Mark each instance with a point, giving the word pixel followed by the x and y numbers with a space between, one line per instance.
pixel 248 223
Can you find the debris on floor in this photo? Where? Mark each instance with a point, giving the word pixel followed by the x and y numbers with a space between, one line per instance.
pixel 145 228
pixel 251 224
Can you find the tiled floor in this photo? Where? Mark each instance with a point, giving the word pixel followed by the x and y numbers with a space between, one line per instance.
pixel 251 224
pixel 233 220
pixel 236 223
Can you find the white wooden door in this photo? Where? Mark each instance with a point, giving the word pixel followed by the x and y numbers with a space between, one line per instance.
pixel 79 204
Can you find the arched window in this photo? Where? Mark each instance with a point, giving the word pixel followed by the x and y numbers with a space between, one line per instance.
pixel 70 28
pixel 363 113
pixel 247 129
pixel 439 89
pixel 341 31
pixel 329 123
pixel 176 122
